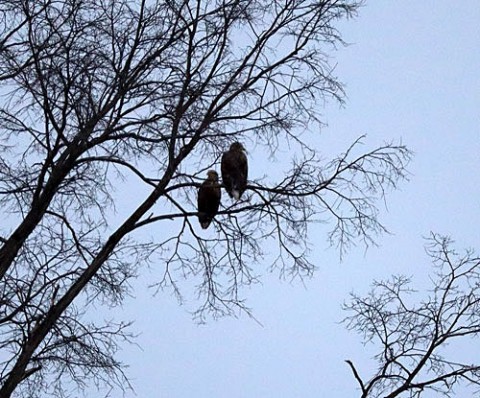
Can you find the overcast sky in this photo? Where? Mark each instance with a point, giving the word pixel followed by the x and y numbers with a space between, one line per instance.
pixel 411 73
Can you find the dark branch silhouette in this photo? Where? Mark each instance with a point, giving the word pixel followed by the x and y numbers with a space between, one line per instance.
pixel 413 334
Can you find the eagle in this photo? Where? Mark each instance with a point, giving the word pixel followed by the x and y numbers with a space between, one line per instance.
pixel 235 170
pixel 208 202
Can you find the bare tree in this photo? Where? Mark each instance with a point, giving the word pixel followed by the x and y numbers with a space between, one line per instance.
pixel 413 334
pixel 103 99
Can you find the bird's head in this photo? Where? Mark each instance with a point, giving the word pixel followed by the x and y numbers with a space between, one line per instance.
pixel 237 147
pixel 212 175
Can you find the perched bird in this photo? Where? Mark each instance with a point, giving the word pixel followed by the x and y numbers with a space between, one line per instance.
pixel 235 170
pixel 209 195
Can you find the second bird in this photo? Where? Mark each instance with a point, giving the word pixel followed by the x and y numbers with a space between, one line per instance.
pixel 208 199
pixel 235 170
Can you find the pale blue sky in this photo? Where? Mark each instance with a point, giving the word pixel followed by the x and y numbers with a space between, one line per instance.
pixel 411 73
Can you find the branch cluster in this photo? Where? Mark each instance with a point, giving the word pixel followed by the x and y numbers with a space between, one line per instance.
pixel 414 334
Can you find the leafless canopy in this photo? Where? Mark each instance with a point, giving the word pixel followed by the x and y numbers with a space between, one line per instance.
pixel 414 335
pixel 111 113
